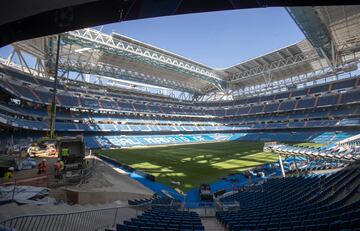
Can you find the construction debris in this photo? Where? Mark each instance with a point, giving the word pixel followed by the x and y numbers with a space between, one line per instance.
pixel 24 194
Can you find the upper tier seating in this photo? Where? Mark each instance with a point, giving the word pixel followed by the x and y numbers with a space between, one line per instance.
pixel 69 126
pixel 300 92
pixel 350 97
pixel 306 103
pixel 79 109
pixel 37 90
pixel 327 100
pixel 86 121
pixel 348 83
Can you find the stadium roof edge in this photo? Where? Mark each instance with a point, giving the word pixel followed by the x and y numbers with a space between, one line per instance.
pixel 333 31
pixel 114 49
pixel 313 28
pixel 174 71
pixel 259 56
pixel 162 50
pixel 52 17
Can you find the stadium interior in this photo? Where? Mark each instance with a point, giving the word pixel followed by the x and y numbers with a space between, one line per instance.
pixel 158 141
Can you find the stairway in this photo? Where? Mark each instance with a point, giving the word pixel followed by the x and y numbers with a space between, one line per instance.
pixel 211 224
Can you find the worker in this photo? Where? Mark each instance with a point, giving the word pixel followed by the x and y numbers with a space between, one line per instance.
pixel 62 166
pixel 8 174
pixel 42 166
pixel 64 154
pixel 85 163
pixel 57 167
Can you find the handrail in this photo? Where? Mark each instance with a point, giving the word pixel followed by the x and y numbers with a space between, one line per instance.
pixel 68 213
pixel 92 219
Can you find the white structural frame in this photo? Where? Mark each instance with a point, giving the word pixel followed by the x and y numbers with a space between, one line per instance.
pixel 39 71
pixel 102 39
pixel 121 73
pixel 273 66
pixel 99 54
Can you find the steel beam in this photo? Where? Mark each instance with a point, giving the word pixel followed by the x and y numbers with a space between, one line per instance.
pixel 273 66
pixel 119 73
pixel 313 28
pixel 115 45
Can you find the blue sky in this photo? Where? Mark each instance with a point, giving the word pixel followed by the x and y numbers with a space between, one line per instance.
pixel 217 39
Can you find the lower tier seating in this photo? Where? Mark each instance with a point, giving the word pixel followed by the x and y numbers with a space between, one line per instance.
pixel 163 219
pixel 315 203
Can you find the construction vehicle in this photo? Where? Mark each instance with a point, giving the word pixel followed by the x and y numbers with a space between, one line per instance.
pixel 43 147
pixel 71 150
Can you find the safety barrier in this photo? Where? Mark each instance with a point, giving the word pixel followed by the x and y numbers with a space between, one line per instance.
pixel 40 181
pixel 96 219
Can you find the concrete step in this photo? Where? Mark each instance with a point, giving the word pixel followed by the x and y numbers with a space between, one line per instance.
pixel 211 224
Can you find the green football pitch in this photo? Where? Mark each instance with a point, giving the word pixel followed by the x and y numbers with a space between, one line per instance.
pixel 193 164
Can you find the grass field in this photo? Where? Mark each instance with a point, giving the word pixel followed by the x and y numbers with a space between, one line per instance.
pixel 193 164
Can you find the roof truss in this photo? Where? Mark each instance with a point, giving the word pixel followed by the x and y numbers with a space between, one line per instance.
pixel 115 45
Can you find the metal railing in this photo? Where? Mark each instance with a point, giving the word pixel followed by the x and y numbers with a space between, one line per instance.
pixel 227 206
pixel 96 219
pixel 204 210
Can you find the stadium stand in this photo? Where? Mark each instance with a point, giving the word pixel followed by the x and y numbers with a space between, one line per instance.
pixel 341 148
pixel 117 92
pixel 328 202
pixel 256 113
pixel 163 219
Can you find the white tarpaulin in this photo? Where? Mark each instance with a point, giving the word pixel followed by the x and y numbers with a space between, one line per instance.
pixel 23 194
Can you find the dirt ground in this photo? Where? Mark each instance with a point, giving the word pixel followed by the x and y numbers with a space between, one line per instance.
pixel 106 179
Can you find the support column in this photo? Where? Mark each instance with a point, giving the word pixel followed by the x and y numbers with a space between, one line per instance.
pixel 281 166
pixel 53 102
